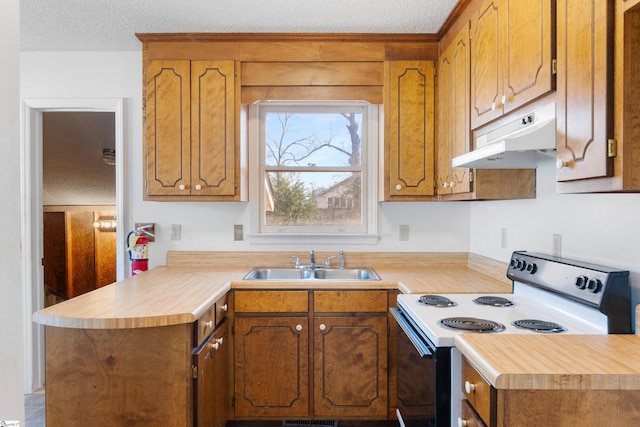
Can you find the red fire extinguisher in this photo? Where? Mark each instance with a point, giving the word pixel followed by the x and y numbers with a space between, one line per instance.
pixel 138 249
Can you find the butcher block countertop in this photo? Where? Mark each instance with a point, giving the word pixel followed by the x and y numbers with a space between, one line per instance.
pixel 193 281
pixel 555 362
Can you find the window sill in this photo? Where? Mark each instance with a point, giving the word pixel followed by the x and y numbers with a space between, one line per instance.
pixel 320 239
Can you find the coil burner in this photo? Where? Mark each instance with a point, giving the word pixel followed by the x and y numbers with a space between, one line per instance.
pixel 436 301
pixel 538 325
pixel 493 301
pixel 471 324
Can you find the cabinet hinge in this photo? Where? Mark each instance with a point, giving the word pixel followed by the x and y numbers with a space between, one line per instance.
pixel 435 70
pixel 470 176
pixel 612 148
pixel 554 66
pixel 194 372
pixel 146 185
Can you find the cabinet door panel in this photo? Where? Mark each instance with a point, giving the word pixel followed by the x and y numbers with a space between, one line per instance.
pixel 271 366
pixel 444 124
pixel 486 66
pixel 213 128
pixel 529 52
pixel 350 366
pixel 168 130
pixel 584 94
pixel 460 101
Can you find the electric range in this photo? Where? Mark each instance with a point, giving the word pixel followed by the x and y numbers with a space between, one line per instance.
pixel 550 295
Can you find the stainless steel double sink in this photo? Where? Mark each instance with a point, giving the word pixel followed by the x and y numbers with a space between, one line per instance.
pixel 285 273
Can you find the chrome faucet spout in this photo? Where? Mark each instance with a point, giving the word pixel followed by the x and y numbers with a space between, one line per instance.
pixel 341 259
pixel 312 258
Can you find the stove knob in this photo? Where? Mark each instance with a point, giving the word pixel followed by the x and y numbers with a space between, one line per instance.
pixel 581 282
pixel 594 286
pixel 532 268
pixel 524 266
pixel 513 262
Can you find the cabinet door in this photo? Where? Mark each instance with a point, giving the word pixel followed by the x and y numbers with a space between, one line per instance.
pixel 529 52
pixel 213 118
pixel 585 113
pixel 453 115
pixel 204 383
pixel 271 367
pixel 350 366
pixel 512 56
pixel 221 378
pixel 409 112
pixel 167 127
pixel 486 63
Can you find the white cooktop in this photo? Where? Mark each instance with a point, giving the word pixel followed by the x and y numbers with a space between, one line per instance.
pixel 529 303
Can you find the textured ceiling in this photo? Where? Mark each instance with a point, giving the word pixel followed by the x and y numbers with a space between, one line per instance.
pixel 110 25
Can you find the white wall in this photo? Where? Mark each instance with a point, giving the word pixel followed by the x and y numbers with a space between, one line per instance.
pixel 11 306
pixel 209 225
pixel 600 228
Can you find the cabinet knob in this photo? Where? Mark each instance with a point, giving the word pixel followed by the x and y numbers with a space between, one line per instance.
pixel 181 187
pixel 198 187
pixel 323 326
pixel 493 106
pixel 452 184
pixel 208 324
pixel 504 99
pixel 561 163
pixel 298 328
pixel 224 307
pixel 462 422
pixel 445 184
pixel 469 387
pixel 217 343
pixel 398 187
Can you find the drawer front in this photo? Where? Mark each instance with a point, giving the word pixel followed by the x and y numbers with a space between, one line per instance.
pixel 477 390
pixel 469 416
pixel 349 301
pixel 205 325
pixel 221 309
pixel 271 301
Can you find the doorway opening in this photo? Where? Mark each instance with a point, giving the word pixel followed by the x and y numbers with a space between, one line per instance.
pixel 39 201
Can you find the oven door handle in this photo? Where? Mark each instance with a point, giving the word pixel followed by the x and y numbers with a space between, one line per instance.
pixel 423 349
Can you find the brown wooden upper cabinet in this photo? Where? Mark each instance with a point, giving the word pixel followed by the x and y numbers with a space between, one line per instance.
pixel 409 106
pixel 512 56
pixel 191 118
pixel 585 83
pixel 453 133
pixel 598 123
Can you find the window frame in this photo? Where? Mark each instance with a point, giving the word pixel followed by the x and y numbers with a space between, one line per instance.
pixel 370 133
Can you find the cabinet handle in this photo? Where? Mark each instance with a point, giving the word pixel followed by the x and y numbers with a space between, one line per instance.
pixel 323 326
pixel 181 187
pixel 298 328
pixel 198 187
pixel 398 187
pixel 208 324
pixel 224 307
pixel 445 184
pixel 218 342
pixel 469 387
pixel 462 422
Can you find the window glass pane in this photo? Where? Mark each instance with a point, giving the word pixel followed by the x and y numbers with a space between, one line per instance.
pixel 313 139
pixel 313 198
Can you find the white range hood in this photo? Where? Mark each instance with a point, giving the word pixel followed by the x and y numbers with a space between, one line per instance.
pixel 516 145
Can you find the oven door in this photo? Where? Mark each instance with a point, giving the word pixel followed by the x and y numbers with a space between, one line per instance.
pixel 424 378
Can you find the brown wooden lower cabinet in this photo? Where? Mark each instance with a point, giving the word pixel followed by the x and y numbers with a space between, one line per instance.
pixel 311 364
pixel 211 382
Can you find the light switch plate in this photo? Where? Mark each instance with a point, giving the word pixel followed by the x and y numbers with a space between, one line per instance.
pixel 237 232
pixel 176 231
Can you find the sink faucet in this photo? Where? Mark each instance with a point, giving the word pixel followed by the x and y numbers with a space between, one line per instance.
pixel 341 259
pixel 312 259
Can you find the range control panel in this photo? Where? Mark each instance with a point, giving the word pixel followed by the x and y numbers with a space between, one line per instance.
pixel 603 287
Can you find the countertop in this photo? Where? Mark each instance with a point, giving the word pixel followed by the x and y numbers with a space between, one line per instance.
pixel 183 291
pixel 555 362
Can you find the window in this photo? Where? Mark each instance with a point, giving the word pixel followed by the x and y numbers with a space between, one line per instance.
pixel 316 167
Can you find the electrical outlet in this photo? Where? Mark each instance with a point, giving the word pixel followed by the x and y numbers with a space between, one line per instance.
pixel 503 238
pixel 176 231
pixel 237 232
pixel 403 232
pixel 557 245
